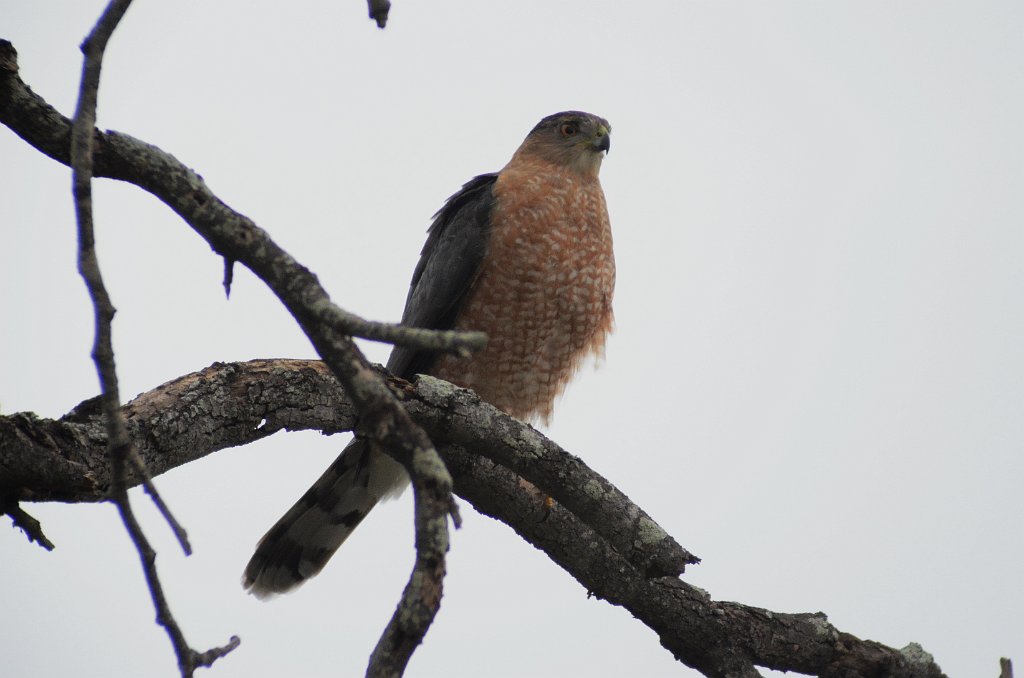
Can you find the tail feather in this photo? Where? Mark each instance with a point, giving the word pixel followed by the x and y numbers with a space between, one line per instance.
pixel 299 545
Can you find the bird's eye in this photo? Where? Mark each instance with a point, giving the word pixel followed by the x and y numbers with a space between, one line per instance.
pixel 568 129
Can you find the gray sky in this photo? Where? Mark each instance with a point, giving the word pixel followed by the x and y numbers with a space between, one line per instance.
pixel 816 382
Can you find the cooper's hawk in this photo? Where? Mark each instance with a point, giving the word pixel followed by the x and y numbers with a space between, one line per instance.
pixel 524 255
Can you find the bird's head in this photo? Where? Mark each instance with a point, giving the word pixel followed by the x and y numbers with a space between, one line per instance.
pixel 571 138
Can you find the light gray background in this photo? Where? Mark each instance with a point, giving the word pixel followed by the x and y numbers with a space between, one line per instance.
pixel 816 381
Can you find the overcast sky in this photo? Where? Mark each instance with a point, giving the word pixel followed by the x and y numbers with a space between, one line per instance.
pixel 817 379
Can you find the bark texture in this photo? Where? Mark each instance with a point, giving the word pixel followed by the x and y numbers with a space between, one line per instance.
pixel 329 328
pixel 505 468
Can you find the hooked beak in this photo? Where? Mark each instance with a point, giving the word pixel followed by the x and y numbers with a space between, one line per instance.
pixel 603 142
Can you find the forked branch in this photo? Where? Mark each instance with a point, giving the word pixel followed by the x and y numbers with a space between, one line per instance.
pixel 236 238
pixel 177 422
pixel 120 449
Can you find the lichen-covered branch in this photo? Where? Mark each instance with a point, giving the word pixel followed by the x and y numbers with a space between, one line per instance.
pixel 235 403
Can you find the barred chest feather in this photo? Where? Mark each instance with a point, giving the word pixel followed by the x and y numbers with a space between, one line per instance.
pixel 544 291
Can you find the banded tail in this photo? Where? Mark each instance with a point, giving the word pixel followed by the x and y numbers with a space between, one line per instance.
pixel 299 545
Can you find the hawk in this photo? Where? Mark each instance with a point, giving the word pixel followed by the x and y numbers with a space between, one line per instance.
pixel 525 255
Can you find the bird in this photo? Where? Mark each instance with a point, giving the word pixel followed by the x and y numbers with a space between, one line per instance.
pixel 523 254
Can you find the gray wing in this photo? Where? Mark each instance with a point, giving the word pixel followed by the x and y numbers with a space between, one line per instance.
pixel 449 262
pixel 305 538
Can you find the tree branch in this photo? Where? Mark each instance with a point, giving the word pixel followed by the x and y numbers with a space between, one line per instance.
pixel 26 523
pixel 237 238
pixel 719 638
pixel 176 422
pixel 715 637
pixel 230 234
pixel 421 597
pixel 119 444
pixel 560 475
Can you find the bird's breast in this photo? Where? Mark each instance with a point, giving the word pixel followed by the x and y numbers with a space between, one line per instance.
pixel 543 293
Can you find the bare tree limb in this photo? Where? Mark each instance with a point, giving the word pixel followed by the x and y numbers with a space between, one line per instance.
pixel 719 638
pixel 176 422
pixel 119 444
pixel 26 523
pixel 237 238
pixel 124 158
pixel 149 488
pixel 561 475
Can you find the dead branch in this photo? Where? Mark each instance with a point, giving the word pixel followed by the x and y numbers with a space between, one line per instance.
pixel 588 536
pixel 242 402
pixel 26 523
pixel 236 238
pixel 119 444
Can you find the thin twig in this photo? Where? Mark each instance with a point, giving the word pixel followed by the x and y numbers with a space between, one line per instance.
pixel 120 447
pixel 206 659
pixel 229 276
pixel 188 659
pixel 119 156
pixel 233 236
pixel 462 344
pixel 379 11
pixel 147 484
pixel 26 523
